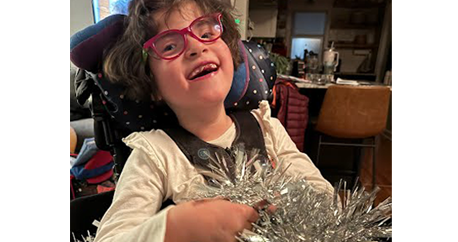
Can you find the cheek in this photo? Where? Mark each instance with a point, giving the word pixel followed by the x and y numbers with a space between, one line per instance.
pixel 161 69
pixel 226 59
pixel 159 72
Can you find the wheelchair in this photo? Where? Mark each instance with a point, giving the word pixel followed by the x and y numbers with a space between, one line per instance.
pixel 116 117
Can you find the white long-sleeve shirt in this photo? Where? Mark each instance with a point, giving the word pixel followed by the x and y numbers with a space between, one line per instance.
pixel 157 170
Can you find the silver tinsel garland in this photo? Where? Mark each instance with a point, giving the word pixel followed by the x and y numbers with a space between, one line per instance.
pixel 303 213
pixel 89 238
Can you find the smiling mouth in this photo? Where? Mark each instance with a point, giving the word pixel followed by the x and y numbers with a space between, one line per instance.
pixel 203 72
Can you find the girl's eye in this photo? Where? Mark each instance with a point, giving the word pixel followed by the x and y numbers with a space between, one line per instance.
pixel 206 35
pixel 169 47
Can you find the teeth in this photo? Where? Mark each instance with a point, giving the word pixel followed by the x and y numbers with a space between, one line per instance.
pixel 202 68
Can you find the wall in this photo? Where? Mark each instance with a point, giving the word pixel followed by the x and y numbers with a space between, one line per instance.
pixel 301 5
pixel 81 15
pixel 385 43
pixel 265 22
pixel 241 6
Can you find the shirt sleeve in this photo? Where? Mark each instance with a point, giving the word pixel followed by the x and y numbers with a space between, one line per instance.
pixel 301 165
pixel 140 191
pixel 281 148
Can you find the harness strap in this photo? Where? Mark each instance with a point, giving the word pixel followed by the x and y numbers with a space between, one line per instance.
pixel 248 136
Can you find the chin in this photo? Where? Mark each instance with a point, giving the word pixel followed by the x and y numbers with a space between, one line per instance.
pixel 214 98
pixel 216 91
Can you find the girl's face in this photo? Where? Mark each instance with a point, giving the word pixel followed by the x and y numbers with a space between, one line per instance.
pixel 182 83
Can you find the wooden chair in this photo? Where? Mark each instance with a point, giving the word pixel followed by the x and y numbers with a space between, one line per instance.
pixel 353 112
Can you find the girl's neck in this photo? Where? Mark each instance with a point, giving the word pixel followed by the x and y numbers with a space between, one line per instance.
pixel 208 125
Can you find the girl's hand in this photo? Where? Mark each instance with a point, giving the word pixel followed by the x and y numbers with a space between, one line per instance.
pixel 209 220
pixel 265 205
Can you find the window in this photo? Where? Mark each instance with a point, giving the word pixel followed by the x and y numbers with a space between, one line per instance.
pixel 308 33
pixel 104 8
pixel 299 44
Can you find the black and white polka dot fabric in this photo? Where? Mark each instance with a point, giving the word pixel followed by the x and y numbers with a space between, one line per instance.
pixel 131 115
pixel 258 73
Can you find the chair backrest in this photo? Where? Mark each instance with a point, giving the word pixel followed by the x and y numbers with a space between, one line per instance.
pixel 354 111
pixel 116 117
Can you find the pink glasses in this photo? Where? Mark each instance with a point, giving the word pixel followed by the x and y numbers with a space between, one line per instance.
pixel 170 44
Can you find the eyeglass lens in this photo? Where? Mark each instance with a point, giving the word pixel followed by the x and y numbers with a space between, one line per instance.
pixel 172 43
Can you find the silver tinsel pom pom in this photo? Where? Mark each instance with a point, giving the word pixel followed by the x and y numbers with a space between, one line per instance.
pixel 303 213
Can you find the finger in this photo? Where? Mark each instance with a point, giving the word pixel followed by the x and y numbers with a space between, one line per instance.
pixel 271 209
pixel 221 198
pixel 248 226
pixel 260 205
pixel 250 214
pixel 205 200
pixel 216 198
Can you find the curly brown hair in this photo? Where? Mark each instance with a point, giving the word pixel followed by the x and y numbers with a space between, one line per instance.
pixel 123 62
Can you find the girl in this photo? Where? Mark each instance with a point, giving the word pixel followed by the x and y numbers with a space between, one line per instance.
pixel 191 52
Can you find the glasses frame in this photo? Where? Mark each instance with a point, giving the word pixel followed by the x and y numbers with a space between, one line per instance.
pixel 187 30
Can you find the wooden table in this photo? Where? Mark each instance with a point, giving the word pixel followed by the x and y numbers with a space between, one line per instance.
pixel 312 85
pixel 307 84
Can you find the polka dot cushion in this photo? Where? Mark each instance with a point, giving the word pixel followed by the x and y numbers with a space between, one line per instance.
pixel 261 74
pixel 130 115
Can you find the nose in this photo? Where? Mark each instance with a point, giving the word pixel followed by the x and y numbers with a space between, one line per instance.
pixel 195 48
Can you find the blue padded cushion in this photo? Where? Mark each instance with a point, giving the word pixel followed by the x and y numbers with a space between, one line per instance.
pixel 87 45
pixel 239 81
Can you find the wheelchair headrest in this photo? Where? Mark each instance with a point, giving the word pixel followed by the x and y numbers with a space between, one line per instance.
pixel 253 79
pixel 87 45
